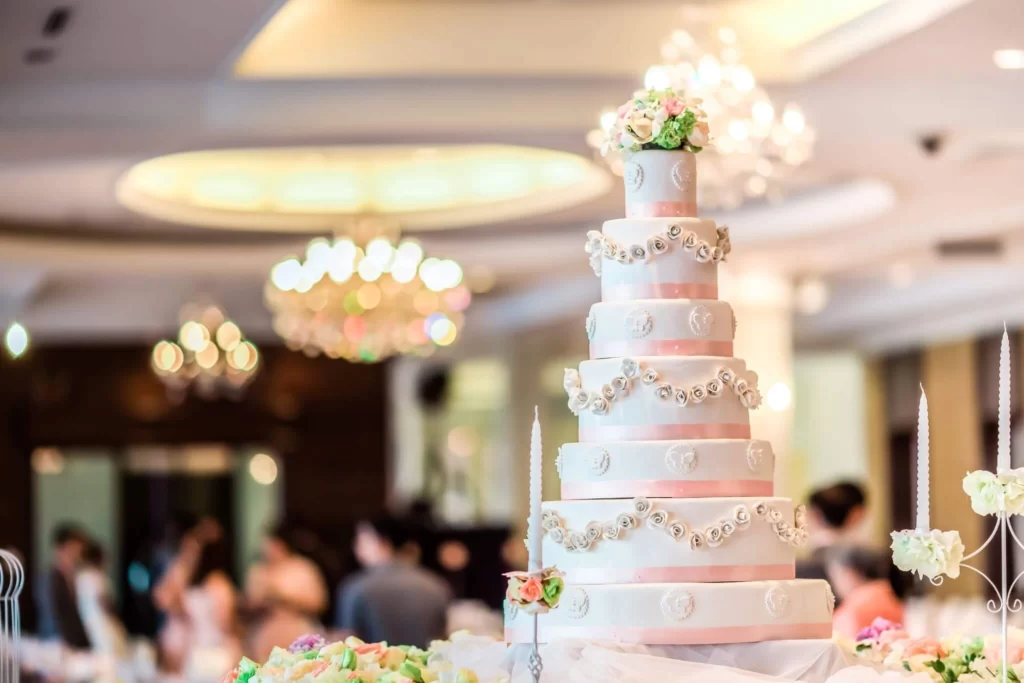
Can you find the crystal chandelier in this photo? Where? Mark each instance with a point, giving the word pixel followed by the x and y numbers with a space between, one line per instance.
pixel 210 355
pixel 756 148
pixel 365 295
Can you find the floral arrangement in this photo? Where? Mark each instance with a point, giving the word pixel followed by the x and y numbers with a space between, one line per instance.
pixel 928 554
pixel 311 659
pixel 657 119
pixel 958 659
pixel 992 493
pixel 533 593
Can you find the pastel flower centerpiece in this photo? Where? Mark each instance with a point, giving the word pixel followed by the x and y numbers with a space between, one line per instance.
pixel 928 554
pixel 657 119
pixel 991 493
pixel 956 659
pixel 535 593
pixel 310 659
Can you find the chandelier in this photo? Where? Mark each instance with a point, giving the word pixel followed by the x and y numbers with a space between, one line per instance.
pixel 210 355
pixel 367 295
pixel 756 148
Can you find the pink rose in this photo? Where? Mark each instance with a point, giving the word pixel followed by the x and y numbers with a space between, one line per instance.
pixel 923 646
pixel 531 590
pixel 674 106
pixel 877 628
pixel 887 638
pixel 1014 649
pixel 624 110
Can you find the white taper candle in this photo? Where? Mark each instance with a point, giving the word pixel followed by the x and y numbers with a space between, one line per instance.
pixel 923 523
pixel 534 532
pixel 1003 450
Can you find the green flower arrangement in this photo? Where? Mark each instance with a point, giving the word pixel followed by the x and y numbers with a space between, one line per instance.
pixel 657 119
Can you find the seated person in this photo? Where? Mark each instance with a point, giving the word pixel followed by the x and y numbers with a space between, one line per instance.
pixel 835 516
pixel 861 578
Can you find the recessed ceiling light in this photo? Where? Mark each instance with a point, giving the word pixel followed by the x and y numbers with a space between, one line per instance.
pixel 1009 58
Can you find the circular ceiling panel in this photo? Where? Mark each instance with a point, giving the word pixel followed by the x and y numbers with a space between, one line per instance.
pixel 309 188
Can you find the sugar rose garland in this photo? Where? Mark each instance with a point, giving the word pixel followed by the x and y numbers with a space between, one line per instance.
pixel 657 119
pixel 601 247
pixel 599 402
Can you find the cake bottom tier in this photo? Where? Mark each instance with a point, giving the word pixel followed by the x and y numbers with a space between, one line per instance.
pixel 683 613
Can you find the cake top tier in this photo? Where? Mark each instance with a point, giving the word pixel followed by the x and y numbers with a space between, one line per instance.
pixel 657 133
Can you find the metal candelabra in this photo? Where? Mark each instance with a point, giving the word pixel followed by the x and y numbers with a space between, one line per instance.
pixel 1001 604
pixel 12 581
pixel 536 665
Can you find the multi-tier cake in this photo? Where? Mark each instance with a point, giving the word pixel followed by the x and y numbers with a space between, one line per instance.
pixel 668 531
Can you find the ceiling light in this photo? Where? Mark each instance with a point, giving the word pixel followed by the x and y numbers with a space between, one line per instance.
pixel 778 397
pixel 364 298
pixel 16 340
pixel 263 469
pixel 210 355
pixel 1009 58
pixel 304 189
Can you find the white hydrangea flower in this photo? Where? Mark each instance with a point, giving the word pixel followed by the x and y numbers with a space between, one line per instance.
pixel 928 554
pixel 985 490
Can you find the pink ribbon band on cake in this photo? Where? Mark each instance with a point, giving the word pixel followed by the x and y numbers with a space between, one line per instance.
pixel 675 636
pixel 664 432
pixel 719 574
pixel 661 488
pixel 663 290
pixel 661 347
pixel 661 209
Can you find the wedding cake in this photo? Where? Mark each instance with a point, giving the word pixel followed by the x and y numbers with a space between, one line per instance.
pixel 668 531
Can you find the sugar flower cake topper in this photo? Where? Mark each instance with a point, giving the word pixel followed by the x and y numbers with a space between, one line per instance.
pixel 657 119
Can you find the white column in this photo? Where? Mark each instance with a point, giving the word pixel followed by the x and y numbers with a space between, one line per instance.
pixel 762 303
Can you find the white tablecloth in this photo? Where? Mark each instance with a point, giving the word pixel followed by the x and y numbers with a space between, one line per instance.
pixel 593 662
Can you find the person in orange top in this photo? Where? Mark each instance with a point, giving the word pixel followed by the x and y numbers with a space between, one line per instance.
pixel 863 580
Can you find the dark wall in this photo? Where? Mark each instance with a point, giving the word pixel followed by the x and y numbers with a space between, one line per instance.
pixel 325 418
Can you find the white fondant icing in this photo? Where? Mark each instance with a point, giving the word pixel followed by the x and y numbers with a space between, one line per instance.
pixel 511 611
pixel 677 604
pixel 577 602
pixel 591 324
pixel 618 612
pixel 638 323
pixel 674 266
pixel 684 175
pixel 658 320
pixel 658 178
pixel 722 461
pixel 681 459
pixel 755 454
pixel 633 176
pixel 701 320
pixel 598 460
pixel 644 407
pixel 640 546
pixel 776 600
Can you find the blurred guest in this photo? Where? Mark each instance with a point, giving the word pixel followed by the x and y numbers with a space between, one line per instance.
pixel 390 599
pixel 835 516
pixel 69 544
pixel 95 599
pixel 861 580
pixel 199 637
pixel 287 592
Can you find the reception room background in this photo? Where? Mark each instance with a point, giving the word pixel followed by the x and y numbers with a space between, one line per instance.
pixel 868 162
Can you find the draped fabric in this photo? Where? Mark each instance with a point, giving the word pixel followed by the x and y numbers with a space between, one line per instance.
pixel 950 380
